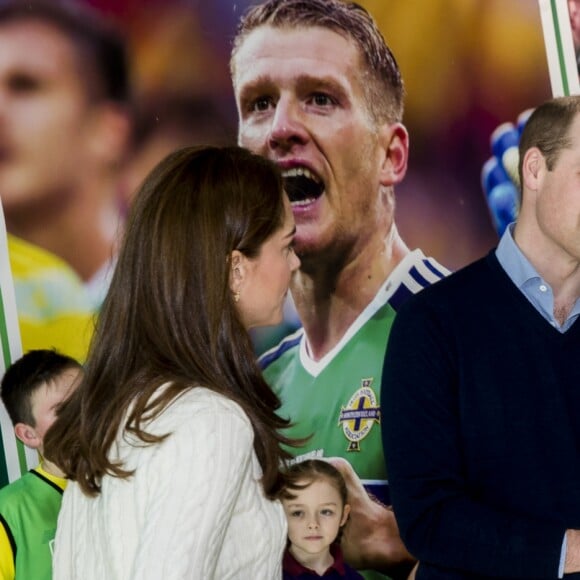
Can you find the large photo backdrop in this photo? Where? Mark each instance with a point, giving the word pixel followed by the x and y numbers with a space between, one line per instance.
pixel 468 67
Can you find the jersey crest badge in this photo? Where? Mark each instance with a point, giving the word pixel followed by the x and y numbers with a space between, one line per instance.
pixel 360 414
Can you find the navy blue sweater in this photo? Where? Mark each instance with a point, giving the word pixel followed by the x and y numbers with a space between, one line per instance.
pixel 481 428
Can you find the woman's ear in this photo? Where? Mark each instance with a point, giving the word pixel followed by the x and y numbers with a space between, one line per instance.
pixel 345 512
pixel 237 271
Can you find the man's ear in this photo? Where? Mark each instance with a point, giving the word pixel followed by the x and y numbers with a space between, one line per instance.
pixel 27 435
pixel 532 168
pixel 394 139
pixel 345 512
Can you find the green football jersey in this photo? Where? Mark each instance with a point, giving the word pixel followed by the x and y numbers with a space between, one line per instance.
pixel 28 512
pixel 339 406
pixel 336 400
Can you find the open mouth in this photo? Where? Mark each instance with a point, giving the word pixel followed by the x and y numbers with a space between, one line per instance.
pixel 302 186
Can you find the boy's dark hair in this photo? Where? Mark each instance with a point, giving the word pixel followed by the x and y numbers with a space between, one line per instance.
pixel 26 375
pixel 312 470
pixel 99 46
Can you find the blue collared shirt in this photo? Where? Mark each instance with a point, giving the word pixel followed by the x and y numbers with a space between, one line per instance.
pixel 540 294
pixel 527 279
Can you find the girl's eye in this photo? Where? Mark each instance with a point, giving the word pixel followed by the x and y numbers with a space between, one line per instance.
pixel 296 514
pixel 327 512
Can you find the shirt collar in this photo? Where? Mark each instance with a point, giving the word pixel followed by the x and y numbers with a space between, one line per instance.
pixel 513 261
pixel 528 280
pixel 295 568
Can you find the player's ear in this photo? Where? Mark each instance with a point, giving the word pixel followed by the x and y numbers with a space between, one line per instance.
pixel 345 512
pixel 27 435
pixel 394 141
pixel 109 132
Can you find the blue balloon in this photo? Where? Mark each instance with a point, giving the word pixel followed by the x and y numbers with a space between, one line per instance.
pixel 503 202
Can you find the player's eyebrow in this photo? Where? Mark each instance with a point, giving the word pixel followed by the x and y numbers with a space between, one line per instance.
pixel 259 83
pixel 328 82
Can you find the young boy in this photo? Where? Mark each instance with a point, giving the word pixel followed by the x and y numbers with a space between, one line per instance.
pixel 315 502
pixel 32 389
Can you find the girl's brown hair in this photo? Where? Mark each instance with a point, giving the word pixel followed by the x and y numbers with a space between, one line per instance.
pixel 169 314
pixel 309 471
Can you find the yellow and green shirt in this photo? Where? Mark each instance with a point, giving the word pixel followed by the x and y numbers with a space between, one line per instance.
pixel 54 308
pixel 28 514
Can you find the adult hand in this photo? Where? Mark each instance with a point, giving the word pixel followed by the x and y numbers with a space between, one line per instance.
pixel 371 539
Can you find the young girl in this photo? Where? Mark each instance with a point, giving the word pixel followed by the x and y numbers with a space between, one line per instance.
pixel 315 502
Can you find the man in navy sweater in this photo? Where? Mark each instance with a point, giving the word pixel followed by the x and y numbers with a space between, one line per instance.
pixel 481 387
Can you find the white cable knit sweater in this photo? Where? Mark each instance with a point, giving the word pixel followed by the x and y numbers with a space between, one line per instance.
pixel 194 509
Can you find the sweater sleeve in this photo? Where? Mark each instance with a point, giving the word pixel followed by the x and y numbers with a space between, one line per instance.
pixel 442 523
pixel 194 481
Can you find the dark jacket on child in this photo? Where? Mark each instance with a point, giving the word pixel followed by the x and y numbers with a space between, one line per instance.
pixel 294 570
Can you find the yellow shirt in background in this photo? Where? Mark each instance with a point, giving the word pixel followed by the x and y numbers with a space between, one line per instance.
pixel 54 308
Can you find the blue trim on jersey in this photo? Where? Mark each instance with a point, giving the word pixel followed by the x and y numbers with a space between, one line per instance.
pixel 414 273
pixel 401 294
pixel 269 357
pixel 431 267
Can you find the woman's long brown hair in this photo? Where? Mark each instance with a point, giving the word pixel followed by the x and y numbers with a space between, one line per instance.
pixel 169 314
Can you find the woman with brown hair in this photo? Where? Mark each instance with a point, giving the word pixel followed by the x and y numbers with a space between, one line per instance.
pixel 172 441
